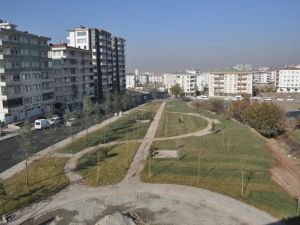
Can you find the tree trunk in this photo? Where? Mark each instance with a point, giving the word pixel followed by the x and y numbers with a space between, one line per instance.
pixel 27 175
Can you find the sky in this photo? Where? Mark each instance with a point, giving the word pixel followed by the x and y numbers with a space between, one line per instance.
pixel 174 35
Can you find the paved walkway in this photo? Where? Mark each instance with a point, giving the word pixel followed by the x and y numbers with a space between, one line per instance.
pixel 198 133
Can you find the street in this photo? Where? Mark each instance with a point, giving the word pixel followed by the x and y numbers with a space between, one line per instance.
pixel 11 153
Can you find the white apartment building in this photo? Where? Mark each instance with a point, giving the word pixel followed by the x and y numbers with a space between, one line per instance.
pixel 130 80
pixel 288 80
pixel 264 77
pixel 73 75
pixel 186 81
pixel 26 81
pixel 201 79
pixel 155 79
pixel 230 83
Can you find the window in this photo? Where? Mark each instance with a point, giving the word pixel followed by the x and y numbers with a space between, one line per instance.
pixel 81 33
pixel 81 40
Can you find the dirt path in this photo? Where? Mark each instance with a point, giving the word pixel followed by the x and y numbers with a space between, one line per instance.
pixel 286 171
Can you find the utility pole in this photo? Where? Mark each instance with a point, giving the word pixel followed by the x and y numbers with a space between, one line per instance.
pixel 298 205
pixel 242 191
pixel 98 167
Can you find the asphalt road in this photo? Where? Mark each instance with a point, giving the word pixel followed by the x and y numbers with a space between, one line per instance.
pixel 11 152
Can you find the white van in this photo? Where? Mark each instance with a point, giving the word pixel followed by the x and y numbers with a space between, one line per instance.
pixel 41 124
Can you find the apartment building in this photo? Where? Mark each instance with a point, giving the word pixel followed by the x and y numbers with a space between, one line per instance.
pixel 155 78
pixel 73 75
pixel 108 58
pixel 230 83
pixel 186 81
pixel 26 81
pixel 264 77
pixel 288 80
pixel 119 67
pixel 130 81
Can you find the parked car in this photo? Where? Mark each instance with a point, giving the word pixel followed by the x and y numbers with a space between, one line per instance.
pixel 280 99
pixel 56 121
pixel 202 97
pixel 41 124
pixel 72 122
pixel 290 99
pixel 238 98
pixel 267 99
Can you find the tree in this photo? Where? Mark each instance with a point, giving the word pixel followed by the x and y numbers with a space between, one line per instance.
pixel 217 106
pixel 27 145
pixel 109 107
pixel 87 111
pixel 266 118
pixel 237 109
pixel 176 90
pixel 297 123
pixel 117 103
pixel 126 101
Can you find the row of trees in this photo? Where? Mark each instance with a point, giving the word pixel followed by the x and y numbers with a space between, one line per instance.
pixel 266 117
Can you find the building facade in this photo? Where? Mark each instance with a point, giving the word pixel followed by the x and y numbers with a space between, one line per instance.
pixel 73 75
pixel 264 77
pixel 26 81
pixel 288 80
pixel 186 81
pixel 130 80
pixel 108 57
pixel 230 83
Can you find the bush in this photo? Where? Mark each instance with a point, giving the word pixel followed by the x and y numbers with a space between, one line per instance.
pixel 266 118
pixel 217 106
pixel 237 110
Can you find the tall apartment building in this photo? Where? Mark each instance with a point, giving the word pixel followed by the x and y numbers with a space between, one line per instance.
pixel 108 57
pixel 131 81
pixel 26 81
pixel 73 75
pixel 119 67
pixel 288 80
pixel 186 81
pixel 230 83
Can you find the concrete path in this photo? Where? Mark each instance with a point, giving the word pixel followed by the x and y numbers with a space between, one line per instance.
pixel 198 133
pixel 137 164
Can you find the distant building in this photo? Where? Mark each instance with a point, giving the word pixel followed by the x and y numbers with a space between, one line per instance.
pixel 73 74
pixel 186 81
pixel 137 72
pixel 131 81
pixel 155 79
pixel 230 83
pixel 288 80
pixel 26 81
pixel 241 67
pixel 264 77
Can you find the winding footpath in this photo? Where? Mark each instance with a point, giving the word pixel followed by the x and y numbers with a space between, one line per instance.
pixel 77 191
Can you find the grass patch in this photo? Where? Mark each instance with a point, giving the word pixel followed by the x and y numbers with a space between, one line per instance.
pixel 173 124
pixel 220 167
pixel 45 179
pixel 128 127
pixel 112 169
pixel 152 106
pixel 183 107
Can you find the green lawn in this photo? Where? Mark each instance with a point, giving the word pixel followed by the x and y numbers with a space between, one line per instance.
pixel 112 169
pixel 182 106
pixel 152 106
pixel 220 167
pixel 46 177
pixel 128 127
pixel 173 124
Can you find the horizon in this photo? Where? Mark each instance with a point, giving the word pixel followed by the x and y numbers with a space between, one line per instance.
pixel 175 35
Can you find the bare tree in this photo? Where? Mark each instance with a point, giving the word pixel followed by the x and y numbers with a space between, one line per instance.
pixel 27 145
pixel 87 112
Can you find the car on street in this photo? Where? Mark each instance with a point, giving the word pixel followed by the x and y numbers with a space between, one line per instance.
pixel 56 121
pixel 202 97
pixel 40 124
pixel 267 99
pixel 280 99
pixel 72 122
pixel 290 99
